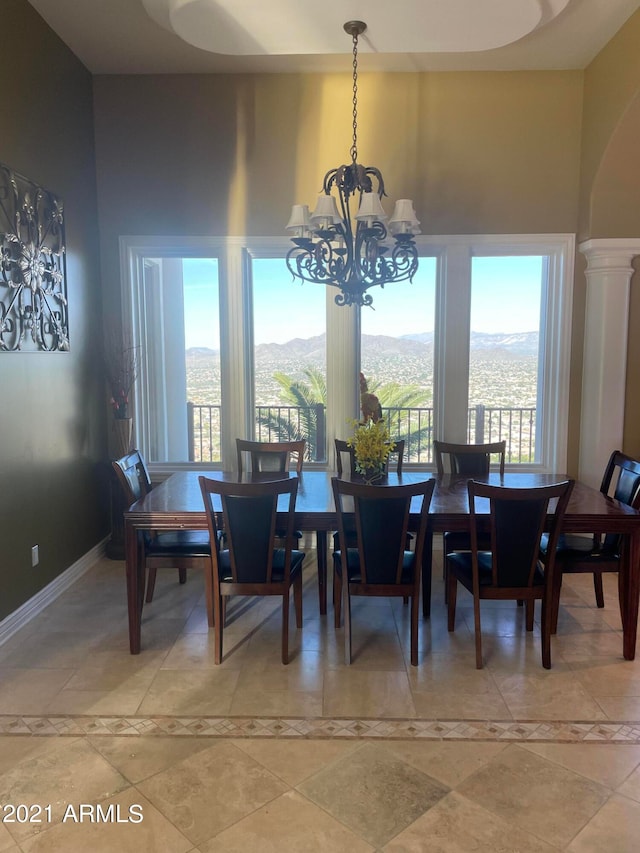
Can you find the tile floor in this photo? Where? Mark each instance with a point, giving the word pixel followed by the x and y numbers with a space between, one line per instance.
pixel 181 755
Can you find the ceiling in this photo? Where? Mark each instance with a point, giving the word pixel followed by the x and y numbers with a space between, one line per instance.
pixel 204 36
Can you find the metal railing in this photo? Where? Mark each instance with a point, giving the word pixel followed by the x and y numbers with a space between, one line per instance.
pixel 517 426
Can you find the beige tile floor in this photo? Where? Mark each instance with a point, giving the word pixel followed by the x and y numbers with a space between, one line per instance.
pixel 254 756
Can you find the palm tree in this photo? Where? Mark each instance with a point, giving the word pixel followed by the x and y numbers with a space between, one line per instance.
pixel 310 396
pixel 399 403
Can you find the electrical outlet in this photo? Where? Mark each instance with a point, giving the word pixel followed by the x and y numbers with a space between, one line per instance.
pixel 35 556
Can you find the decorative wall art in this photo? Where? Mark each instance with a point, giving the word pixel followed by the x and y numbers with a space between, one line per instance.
pixel 33 280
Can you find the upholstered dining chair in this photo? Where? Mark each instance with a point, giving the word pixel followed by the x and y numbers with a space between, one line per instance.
pixel 343 449
pixel 514 567
pixel 181 549
pixel 267 456
pixel 473 460
pixel 379 564
pixel 597 554
pixel 246 560
pixel 272 456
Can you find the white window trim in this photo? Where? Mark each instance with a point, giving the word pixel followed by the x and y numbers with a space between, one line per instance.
pixel 453 253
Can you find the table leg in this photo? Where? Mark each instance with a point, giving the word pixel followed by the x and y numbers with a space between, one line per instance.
pixel 135 585
pixel 321 555
pixel 630 569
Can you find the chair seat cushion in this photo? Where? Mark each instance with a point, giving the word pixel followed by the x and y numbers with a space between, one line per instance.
pixel 461 563
pixel 277 572
pixel 408 563
pixel 461 541
pixel 576 547
pixel 194 543
pixel 352 540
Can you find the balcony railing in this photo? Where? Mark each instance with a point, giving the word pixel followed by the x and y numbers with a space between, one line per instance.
pixel 517 426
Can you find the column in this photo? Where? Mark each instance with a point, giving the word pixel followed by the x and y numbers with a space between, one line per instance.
pixel 604 368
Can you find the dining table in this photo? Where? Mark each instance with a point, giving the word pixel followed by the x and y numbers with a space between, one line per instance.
pixel 176 504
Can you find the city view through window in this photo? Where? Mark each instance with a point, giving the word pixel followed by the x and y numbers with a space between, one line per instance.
pixel 397 350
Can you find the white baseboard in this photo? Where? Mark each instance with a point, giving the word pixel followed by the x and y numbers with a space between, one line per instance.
pixel 31 608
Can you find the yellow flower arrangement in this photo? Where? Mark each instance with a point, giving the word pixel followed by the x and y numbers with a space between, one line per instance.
pixel 372 445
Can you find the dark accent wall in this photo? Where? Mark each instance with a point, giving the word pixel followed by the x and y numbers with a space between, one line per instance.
pixel 52 405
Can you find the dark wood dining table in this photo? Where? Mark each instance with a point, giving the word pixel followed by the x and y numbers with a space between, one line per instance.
pixel 176 504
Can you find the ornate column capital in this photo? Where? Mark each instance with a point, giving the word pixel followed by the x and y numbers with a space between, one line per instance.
pixel 610 255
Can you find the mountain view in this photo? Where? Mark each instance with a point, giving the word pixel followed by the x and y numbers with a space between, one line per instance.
pixel 503 367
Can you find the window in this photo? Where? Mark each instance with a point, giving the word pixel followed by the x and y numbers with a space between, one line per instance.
pixel 504 352
pixel 289 358
pixel 221 326
pixel 397 348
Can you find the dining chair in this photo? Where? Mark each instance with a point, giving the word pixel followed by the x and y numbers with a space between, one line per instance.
pixel 514 567
pixel 475 461
pixel 181 549
pixel 597 554
pixel 267 456
pixel 379 564
pixel 345 449
pixel 272 456
pixel 471 459
pixel 246 560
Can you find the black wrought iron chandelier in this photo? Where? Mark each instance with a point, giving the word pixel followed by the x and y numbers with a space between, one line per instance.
pixel 327 249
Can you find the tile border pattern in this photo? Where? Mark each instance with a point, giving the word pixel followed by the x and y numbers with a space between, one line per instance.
pixel 320 728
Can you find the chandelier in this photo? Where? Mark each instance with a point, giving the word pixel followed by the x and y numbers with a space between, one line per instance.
pixel 328 250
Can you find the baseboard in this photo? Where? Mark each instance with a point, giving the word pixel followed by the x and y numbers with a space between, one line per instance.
pixel 35 605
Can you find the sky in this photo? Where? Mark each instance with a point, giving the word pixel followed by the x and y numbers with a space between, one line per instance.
pixel 496 304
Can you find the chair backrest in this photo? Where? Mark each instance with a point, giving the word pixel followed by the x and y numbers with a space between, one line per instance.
pixel 621 481
pixel 343 447
pixel 382 515
pixel 249 512
pixel 271 455
pixel 133 476
pixel 518 518
pixel 471 459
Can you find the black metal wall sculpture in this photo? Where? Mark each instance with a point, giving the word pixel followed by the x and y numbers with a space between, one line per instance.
pixel 33 280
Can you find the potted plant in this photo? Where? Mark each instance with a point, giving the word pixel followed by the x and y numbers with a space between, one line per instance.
pixel 371 445
pixel 121 369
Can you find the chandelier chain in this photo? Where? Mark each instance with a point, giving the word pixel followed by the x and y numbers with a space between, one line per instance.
pixel 354 146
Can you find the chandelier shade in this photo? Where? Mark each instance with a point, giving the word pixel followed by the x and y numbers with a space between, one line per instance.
pixel 349 248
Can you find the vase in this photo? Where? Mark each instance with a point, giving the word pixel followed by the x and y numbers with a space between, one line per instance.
pixel 123 430
pixel 374 475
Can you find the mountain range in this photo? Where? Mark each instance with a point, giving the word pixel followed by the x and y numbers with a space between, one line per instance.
pixel 507 344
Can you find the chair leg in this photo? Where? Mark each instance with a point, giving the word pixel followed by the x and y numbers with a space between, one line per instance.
pixel 151 584
pixel 554 607
pixel 182 575
pixel 414 628
pixel 545 628
pixel 208 591
pixel 530 605
pixel 452 592
pixel 337 598
pixel 427 565
pixel 347 621
pixel 597 585
pixel 476 620
pixel 285 628
pixel 297 599
pixel 218 608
